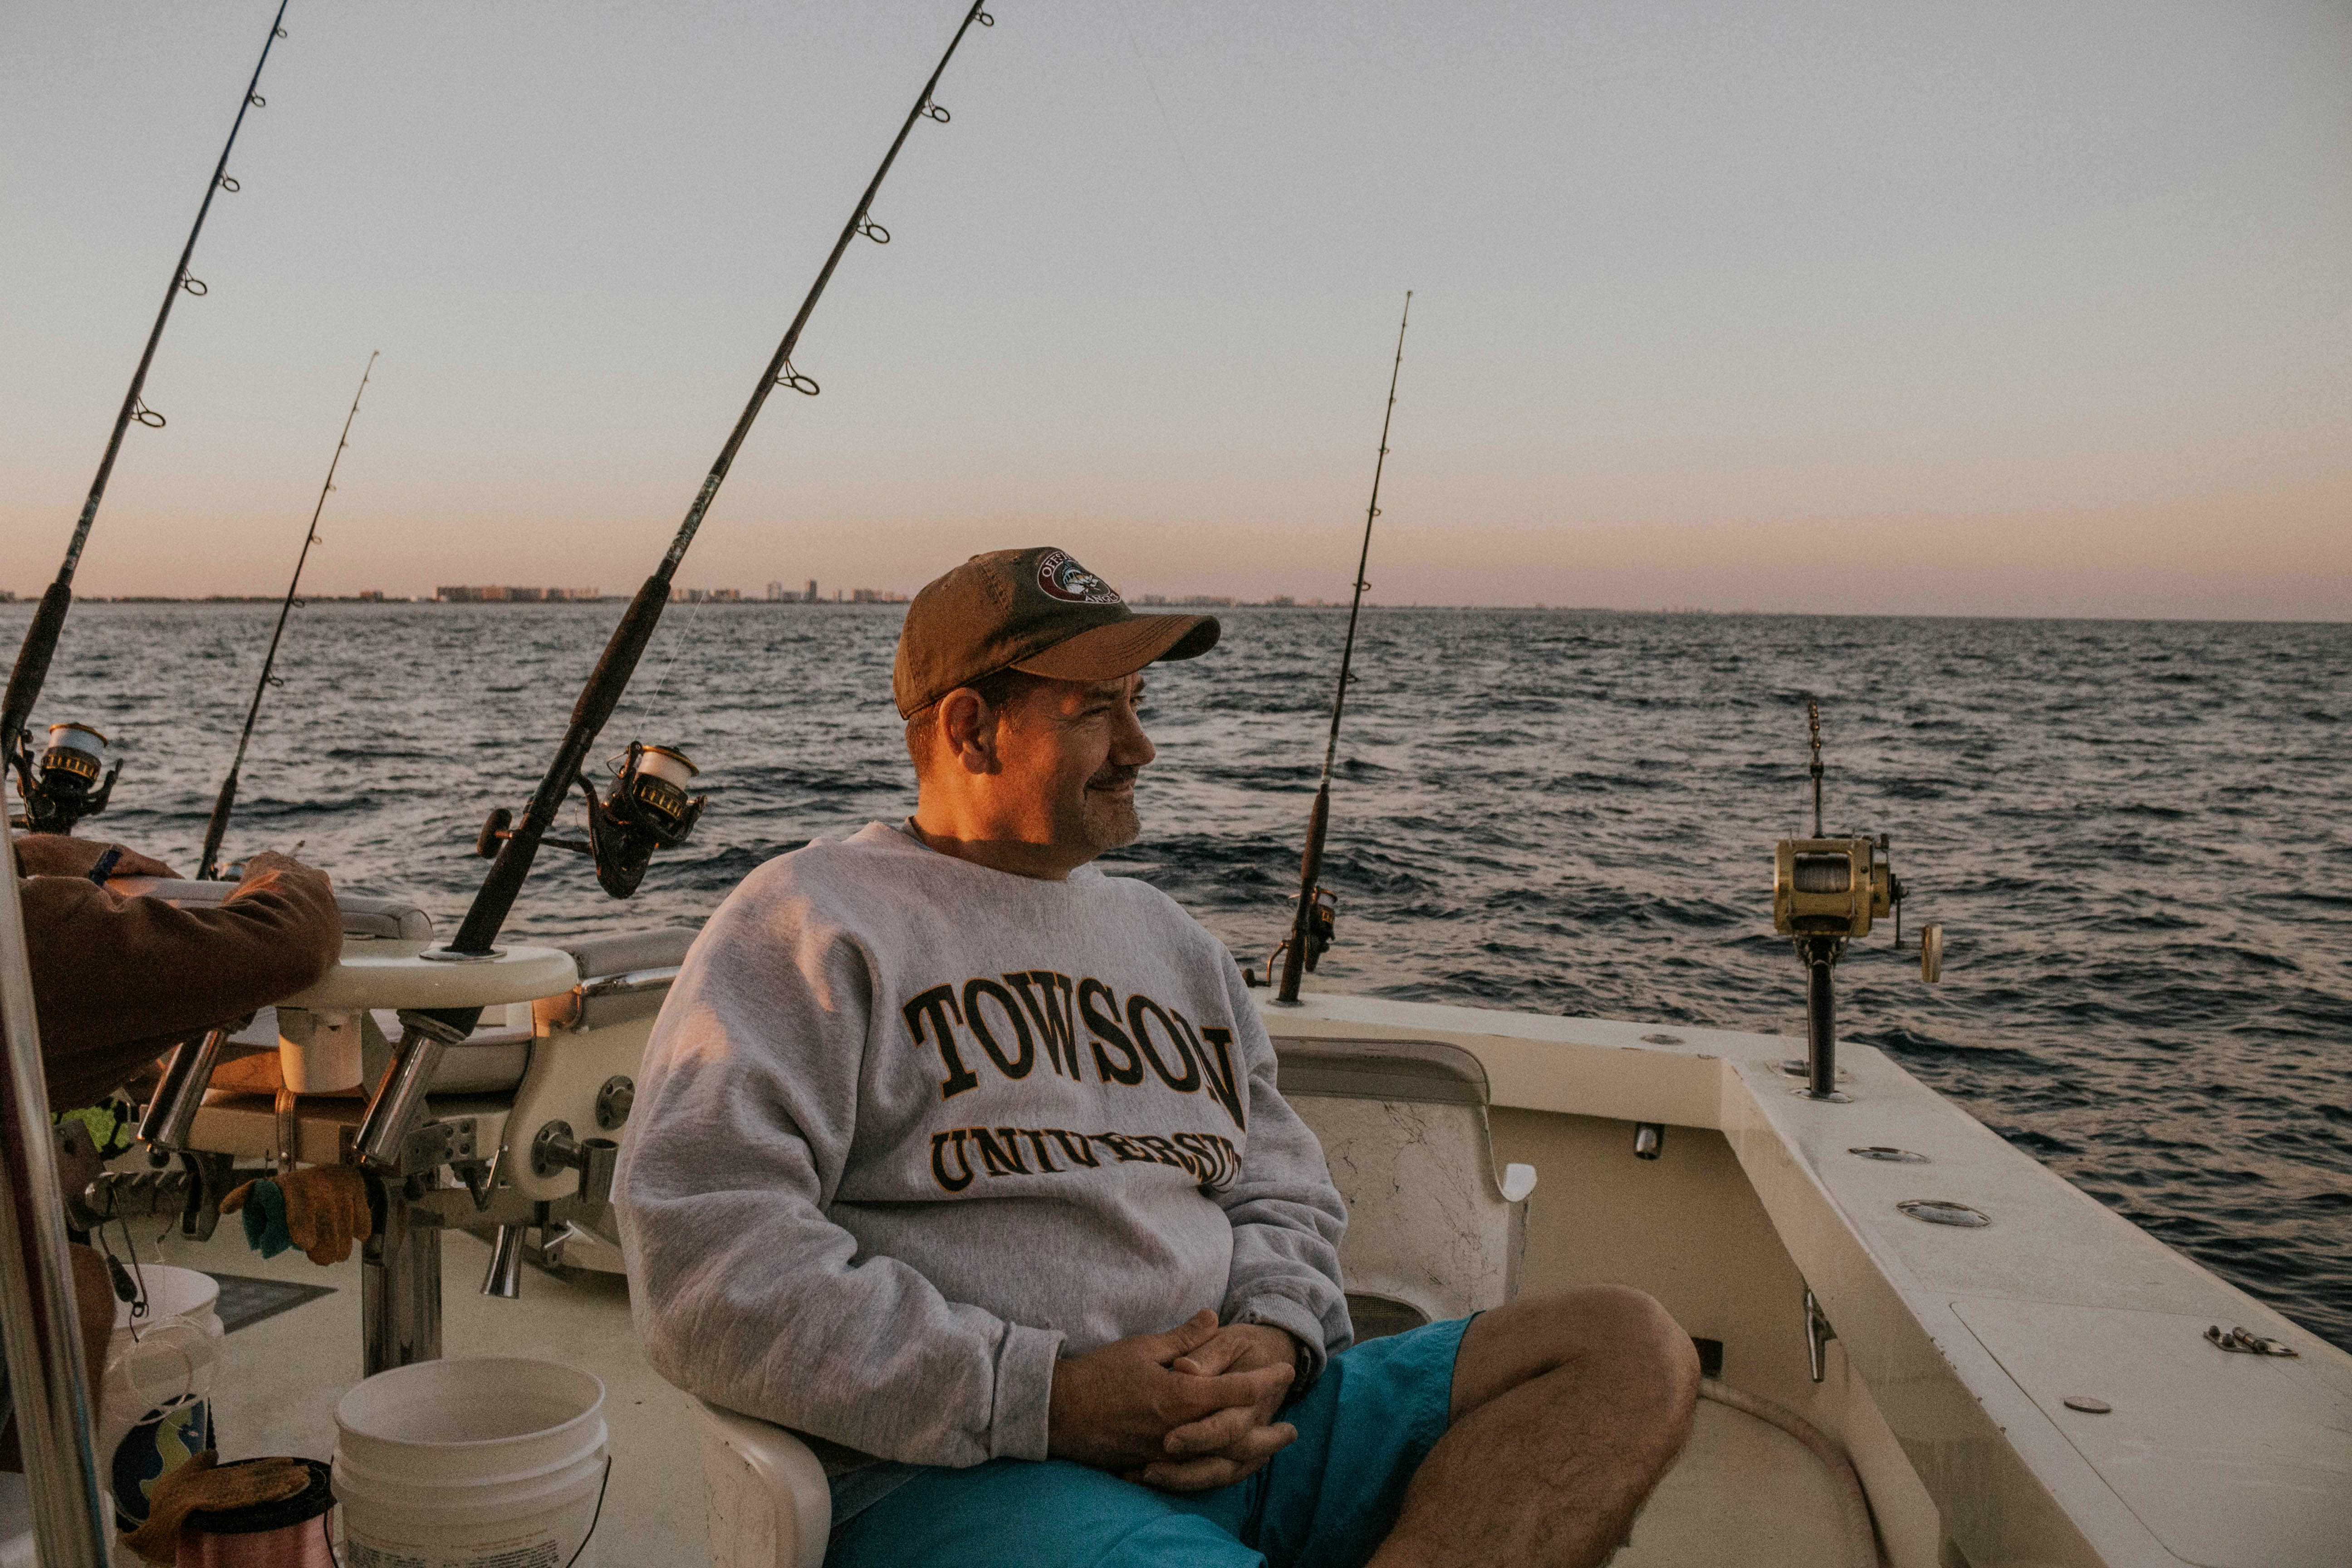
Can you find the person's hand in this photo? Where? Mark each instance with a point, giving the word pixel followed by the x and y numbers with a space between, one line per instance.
pixel 264 869
pixel 1116 1408
pixel 63 855
pixel 1233 1443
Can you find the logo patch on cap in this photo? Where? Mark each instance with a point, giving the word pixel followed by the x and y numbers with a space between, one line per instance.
pixel 1062 578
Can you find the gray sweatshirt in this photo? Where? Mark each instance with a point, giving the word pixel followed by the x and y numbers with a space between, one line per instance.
pixel 908 1129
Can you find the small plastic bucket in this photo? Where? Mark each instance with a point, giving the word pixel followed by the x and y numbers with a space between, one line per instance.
pixel 497 1462
pixel 155 1400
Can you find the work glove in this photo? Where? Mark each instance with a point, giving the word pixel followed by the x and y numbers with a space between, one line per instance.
pixel 323 1209
pixel 202 1484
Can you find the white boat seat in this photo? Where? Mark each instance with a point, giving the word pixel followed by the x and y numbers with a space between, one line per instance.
pixel 769 1506
pixel 1433 1233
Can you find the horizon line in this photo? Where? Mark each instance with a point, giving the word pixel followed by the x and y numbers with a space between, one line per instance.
pixel 1216 602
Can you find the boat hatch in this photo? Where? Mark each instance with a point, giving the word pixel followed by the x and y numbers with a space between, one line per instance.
pixel 2232 1461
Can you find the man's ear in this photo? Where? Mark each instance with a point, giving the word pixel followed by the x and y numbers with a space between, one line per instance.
pixel 968 730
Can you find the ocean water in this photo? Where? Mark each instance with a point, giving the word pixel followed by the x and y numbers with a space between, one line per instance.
pixel 2137 836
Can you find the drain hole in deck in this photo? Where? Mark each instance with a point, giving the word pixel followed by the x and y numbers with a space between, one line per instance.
pixel 246 1300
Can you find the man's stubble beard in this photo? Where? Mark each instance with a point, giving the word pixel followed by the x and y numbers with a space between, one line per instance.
pixel 1110 821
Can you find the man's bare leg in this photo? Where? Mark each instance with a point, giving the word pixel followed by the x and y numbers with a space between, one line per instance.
pixel 1567 1410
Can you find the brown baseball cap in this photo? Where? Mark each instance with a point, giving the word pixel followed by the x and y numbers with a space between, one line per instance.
pixel 1034 610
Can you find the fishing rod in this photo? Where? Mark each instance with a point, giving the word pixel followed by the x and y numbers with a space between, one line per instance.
pixel 648 807
pixel 207 864
pixel 1311 925
pixel 63 786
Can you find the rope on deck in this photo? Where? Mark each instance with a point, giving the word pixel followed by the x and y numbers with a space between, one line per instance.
pixel 1853 1502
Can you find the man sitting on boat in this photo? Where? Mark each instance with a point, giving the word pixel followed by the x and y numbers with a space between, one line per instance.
pixel 967 1162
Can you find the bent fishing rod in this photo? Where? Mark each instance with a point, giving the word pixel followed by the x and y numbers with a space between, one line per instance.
pixel 64 787
pixel 648 807
pixel 1310 926
pixel 207 864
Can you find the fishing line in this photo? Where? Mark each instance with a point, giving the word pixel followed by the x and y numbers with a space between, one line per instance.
pixel 677 652
pixel 1168 124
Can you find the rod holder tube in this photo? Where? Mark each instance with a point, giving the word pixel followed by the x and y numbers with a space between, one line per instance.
pixel 171 1118
pixel 41 1332
pixel 1821 1030
pixel 398 1103
pixel 503 1278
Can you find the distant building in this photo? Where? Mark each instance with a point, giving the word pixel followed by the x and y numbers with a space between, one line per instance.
pixel 775 592
pixel 371 596
pixel 495 595
pixel 812 592
pixel 875 596
pixel 706 596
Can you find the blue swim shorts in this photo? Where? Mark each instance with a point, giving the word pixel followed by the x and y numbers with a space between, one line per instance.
pixel 1326 1502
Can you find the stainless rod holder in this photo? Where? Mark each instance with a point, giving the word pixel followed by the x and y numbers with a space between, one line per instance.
pixel 171 1118
pixel 503 1278
pixel 1821 1030
pixel 1821 954
pixel 398 1103
pixel 39 1331
pixel 400 1288
pixel 287 1127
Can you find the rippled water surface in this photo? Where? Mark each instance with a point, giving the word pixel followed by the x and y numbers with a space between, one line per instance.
pixel 2135 834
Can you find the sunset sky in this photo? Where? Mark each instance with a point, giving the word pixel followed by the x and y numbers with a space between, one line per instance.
pixel 1981 310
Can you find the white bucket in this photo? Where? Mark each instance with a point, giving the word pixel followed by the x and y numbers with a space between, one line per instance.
pixel 497 1462
pixel 155 1399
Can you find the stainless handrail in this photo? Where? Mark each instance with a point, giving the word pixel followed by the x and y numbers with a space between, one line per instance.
pixel 48 1385
pixel 635 980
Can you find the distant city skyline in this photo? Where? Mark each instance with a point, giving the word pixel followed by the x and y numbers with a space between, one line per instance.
pixel 2006 310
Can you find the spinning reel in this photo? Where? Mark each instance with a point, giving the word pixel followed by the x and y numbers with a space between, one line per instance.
pixel 646 809
pixel 68 781
pixel 1825 893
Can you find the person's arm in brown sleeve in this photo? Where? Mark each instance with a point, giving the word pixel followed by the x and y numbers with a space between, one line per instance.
pixel 118 981
pixel 62 854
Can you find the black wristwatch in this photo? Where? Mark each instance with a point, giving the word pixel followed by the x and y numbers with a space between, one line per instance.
pixel 1303 1372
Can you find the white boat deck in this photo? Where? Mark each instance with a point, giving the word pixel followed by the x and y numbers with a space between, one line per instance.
pixel 1956 1352
pixel 280 1378
pixel 279 1381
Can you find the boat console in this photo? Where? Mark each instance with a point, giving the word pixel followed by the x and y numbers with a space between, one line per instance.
pixel 521 1120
